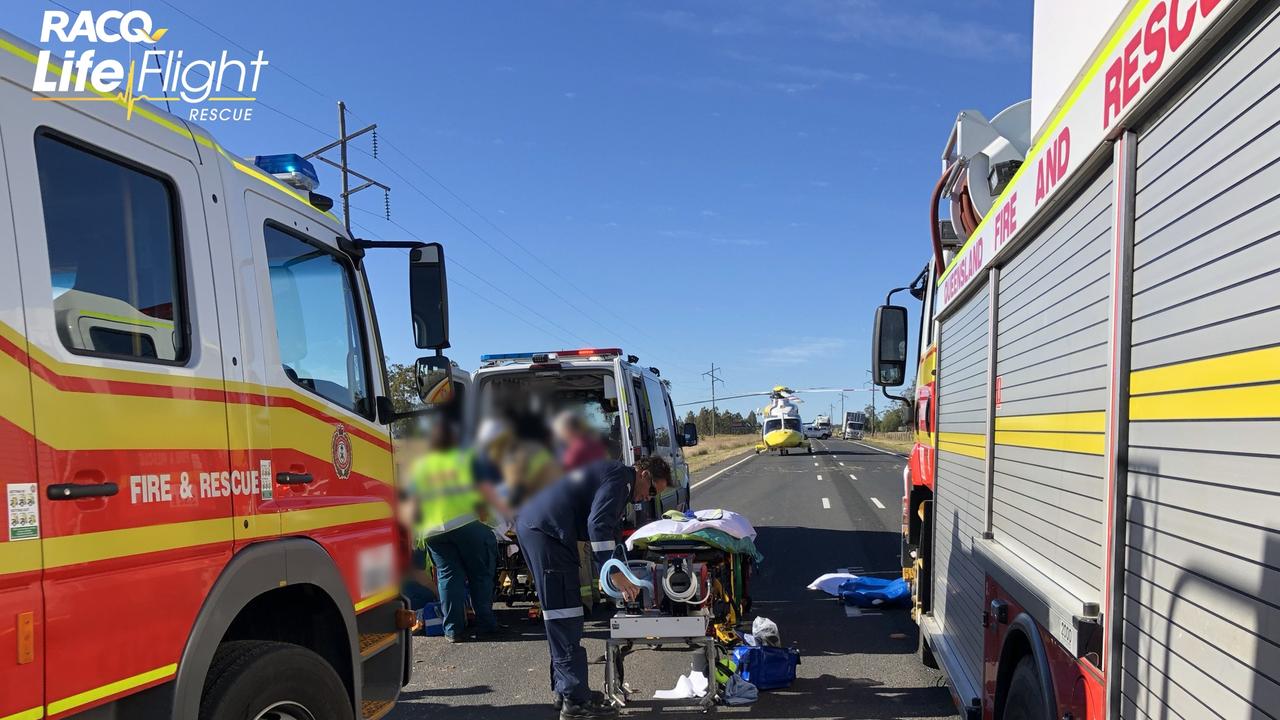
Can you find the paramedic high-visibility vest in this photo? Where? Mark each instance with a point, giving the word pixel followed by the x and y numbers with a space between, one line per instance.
pixel 446 492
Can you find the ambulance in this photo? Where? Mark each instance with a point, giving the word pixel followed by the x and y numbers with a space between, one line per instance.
pixel 199 495
pixel 627 405
pixel 1090 508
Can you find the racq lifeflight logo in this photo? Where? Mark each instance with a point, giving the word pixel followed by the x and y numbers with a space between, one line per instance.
pixel 155 74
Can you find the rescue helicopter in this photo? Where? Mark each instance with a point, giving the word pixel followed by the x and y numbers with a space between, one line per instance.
pixel 781 429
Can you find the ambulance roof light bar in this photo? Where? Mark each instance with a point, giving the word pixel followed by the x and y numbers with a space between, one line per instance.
pixel 544 356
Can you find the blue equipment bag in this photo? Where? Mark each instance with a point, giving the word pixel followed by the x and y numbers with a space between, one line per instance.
pixel 768 668
pixel 432 620
pixel 872 592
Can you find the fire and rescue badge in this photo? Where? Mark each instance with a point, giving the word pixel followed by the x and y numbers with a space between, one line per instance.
pixel 341 448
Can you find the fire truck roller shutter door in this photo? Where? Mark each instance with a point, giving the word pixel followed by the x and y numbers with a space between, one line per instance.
pixel 1203 557
pixel 1051 358
pixel 959 592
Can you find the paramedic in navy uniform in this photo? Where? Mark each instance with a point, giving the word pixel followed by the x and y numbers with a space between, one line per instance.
pixel 585 505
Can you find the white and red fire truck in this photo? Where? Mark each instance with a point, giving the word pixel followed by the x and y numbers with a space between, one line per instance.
pixel 1092 505
pixel 198 489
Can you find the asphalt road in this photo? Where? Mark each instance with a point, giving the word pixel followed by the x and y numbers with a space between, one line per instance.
pixel 814 514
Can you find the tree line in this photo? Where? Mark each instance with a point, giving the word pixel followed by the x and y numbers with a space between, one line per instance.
pixel 726 423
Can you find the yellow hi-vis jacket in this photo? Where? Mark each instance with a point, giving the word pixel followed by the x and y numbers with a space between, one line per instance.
pixel 446 491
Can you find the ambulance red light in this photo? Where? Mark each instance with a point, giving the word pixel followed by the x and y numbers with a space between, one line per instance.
pixel 586 352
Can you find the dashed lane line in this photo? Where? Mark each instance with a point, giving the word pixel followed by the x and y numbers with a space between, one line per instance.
pixel 826 504
pixel 878 503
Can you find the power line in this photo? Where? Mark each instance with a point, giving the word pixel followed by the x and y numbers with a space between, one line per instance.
pixel 486 281
pixel 454 281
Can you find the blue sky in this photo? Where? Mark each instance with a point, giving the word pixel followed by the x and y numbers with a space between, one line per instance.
pixel 736 182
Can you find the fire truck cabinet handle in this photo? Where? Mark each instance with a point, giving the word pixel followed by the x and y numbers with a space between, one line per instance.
pixel 288 478
pixel 76 491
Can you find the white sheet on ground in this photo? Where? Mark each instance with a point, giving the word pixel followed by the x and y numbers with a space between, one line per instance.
pixel 726 521
pixel 693 685
pixel 830 582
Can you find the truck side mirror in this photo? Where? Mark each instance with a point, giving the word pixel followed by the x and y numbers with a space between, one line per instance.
pixel 429 297
pixel 435 380
pixel 688 435
pixel 889 346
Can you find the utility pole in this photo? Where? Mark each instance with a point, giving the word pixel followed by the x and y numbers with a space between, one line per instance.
pixel 873 405
pixel 347 172
pixel 714 379
pixel 842 416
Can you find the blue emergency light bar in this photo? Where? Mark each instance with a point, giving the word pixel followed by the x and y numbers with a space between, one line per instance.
pixel 290 169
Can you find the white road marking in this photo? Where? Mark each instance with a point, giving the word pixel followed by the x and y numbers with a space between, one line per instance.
pixel 853 477
pixel 819 477
pixel 718 473
pixel 878 503
pixel 815 464
pixel 840 462
pixel 826 504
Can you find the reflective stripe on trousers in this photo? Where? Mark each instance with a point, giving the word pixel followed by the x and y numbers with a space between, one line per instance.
pixel 563 613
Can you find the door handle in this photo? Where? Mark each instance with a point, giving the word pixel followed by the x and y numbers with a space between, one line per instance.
pixel 292 478
pixel 76 491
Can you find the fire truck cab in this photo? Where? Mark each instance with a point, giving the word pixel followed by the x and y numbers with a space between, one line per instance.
pixel 199 491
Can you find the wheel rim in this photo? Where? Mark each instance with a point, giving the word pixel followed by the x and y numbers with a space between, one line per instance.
pixel 285 710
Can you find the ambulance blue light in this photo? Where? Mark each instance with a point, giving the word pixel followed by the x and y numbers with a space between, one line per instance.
pixel 506 356
pixel 290 169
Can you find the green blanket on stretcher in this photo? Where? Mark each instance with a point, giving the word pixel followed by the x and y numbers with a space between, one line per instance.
pixel 715 538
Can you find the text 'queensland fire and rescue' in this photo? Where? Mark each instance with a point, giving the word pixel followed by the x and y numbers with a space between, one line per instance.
pixel 1166 30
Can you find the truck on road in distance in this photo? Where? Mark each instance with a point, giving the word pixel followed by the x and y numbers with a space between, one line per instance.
pixel 628 405
pixel 194 419
pixel 1089 515
pixel 854 424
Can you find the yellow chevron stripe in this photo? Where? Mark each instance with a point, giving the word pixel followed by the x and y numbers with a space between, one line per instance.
pixel 34 713
pixel 377 599
pixel 971 444
pixel 1240 403
pixel 1092 421
pixel 1087 443
pixel 1252 366
pixel 109 689
pixel 108 544
pixel 19 556
pixel 15 394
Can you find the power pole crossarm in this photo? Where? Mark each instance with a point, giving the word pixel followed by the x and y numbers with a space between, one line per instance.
pixel 345 169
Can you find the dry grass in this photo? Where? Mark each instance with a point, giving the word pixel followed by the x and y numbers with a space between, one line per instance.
pixel 893 442
pixel 711 450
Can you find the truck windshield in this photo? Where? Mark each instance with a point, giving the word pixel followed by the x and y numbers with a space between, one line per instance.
pixel 529 400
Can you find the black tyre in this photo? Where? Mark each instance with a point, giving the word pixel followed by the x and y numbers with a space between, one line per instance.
pixel 1024 701
pixel 258 680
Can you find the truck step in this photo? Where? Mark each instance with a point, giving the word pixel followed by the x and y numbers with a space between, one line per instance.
pixel 374 709
pixel 373 643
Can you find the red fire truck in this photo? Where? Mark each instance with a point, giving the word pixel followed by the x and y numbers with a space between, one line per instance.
pixel 1090 510
pixel 199 492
